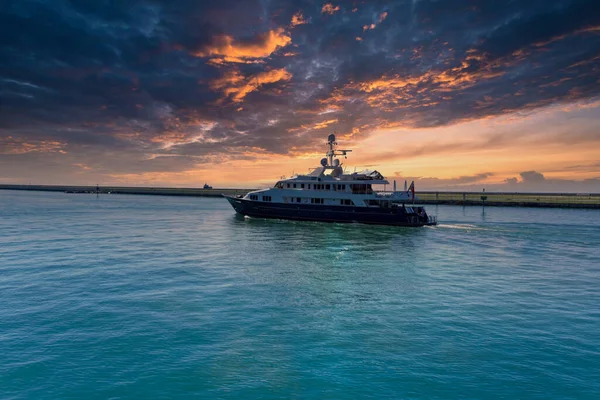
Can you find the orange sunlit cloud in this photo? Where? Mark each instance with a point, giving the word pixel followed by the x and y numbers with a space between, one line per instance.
pixel 328 8
pixel 226 49
pixel 236 86
pixel 372 26
pixel 14 145
pixel 298 19
pixel 325 124
pixel 82 167
pixel 397 92
pixel 194 132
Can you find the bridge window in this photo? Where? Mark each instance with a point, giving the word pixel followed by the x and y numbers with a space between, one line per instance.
pixel 266 198
pixel 253 197
pixel 361 189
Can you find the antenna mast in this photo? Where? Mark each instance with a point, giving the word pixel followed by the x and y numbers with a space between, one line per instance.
pixel 333 151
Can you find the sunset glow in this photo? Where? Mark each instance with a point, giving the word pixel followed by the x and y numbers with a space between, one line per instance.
pixel 450 94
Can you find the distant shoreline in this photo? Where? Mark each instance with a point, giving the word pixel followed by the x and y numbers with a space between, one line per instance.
pixel 501 199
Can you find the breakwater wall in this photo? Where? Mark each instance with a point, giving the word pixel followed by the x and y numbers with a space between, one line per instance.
pixel 507 199
pixel 548 200
pixel 161 191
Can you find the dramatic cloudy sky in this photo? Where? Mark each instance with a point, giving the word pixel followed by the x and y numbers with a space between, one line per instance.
pixel 452 93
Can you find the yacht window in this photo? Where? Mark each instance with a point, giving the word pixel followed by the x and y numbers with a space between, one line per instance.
pixel 288 185
pixel 361 189
pixel 309 186
pixel 302 185
pixel 266 198
pixel 294 186
pixel 297 199
pixel 327 187
pixel 253 197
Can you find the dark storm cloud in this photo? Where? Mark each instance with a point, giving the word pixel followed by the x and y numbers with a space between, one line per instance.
pixel 560 19
pixel 190 79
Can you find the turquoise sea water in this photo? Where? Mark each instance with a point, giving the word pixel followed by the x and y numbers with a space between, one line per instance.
pixel 167 297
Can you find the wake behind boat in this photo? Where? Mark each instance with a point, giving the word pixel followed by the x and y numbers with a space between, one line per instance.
pixel 330 195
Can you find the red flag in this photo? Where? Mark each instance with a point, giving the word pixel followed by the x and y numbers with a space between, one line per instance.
pixel 412 189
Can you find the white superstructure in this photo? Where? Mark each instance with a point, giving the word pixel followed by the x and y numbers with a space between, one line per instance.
pixel 330 185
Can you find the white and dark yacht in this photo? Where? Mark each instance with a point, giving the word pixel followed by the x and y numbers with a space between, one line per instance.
pixel 331 195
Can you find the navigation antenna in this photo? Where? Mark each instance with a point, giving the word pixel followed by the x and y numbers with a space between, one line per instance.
pixel 333 151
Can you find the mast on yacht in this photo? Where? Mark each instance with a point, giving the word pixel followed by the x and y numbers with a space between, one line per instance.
pixel 333 150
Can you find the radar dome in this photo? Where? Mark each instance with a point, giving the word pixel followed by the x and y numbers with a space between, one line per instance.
pixel 336 162
pixel 324 162
pixel 331 138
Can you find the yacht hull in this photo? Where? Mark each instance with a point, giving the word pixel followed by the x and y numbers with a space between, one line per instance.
pixel 328 213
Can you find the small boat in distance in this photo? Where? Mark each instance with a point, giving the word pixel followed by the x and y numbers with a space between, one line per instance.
pixel 206 186
pixel 329 194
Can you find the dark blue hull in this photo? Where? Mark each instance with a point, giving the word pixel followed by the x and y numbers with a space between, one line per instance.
pixel 396 216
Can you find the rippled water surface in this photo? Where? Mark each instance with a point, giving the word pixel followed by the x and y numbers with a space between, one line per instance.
pixel 166 297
